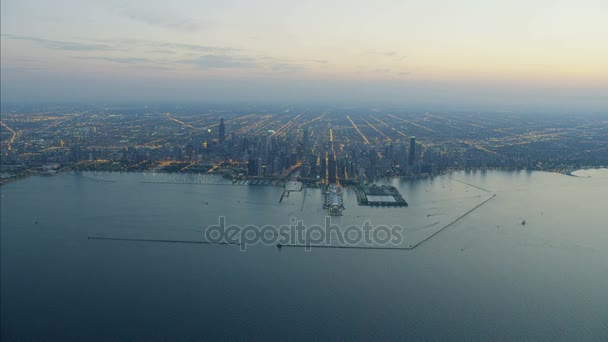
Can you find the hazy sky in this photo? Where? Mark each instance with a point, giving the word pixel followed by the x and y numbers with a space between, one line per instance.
pixel 468 52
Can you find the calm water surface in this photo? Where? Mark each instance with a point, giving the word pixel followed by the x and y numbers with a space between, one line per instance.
pixel 485 277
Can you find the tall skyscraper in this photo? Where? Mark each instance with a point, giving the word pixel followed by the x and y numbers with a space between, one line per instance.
pixel 332 167
pixel 252 167
pixel 222 136
pixel 412 157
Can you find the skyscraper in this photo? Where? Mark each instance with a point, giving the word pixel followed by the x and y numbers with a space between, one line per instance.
pixel 332 167
pixel 412 157
pixel 252 167
pixel 222 135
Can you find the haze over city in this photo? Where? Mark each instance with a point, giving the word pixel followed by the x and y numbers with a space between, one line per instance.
pixel 270 170
pixel 540 55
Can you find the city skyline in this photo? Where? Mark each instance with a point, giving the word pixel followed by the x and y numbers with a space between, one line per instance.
pixel 471 54
pixel 325 145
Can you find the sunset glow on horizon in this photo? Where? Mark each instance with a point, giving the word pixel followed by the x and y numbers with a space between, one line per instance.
pixel 546 44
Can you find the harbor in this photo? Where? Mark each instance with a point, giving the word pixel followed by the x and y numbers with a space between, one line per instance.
pixel 384 195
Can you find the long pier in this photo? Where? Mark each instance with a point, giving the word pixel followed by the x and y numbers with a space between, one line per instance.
pixel 451 223
pixel 410 247
pixel 303 199
pixel 465 183
pixel 159 240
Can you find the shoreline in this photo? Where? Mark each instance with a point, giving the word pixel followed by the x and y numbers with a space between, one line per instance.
pixel 29 172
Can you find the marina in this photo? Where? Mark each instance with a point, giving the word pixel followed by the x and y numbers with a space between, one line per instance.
pixel 384 195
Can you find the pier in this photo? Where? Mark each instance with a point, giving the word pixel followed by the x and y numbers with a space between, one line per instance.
pixel 409 247
pixel 333 200
pixel 199 242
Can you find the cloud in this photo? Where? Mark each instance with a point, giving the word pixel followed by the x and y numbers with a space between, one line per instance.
pixel 392 53
pixel 123 60
pixel 285 67
pixel 153 67
pixel 169 47
pixel 265 57
pixel 61 45
pixel 203 56
pixel 120 44
pixel 160 51
pixel 227 61
pixel 20 69
pixel 193 47
pixel 164 20
pixel 136 62
pixel 222 62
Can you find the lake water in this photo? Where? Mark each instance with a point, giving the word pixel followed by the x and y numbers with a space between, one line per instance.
pixel 484 277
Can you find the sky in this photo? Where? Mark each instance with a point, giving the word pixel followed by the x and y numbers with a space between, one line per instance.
pixel 504 55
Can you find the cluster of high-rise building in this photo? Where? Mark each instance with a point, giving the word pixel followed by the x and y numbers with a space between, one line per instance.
pixel 324 148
